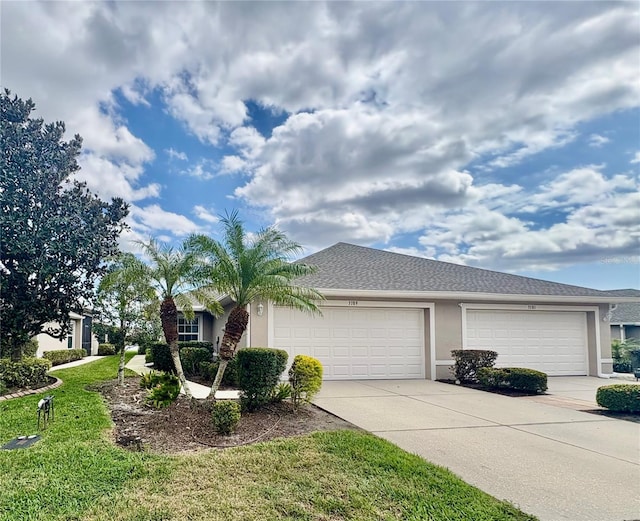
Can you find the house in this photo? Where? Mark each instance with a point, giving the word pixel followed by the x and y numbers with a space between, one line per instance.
pixel 625 317
pixel 388 316
pixel 79 337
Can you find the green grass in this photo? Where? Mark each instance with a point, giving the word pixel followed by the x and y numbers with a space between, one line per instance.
pixel 76 473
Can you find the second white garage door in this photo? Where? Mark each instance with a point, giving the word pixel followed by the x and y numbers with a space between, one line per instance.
pixel 355 343
pixel 552 342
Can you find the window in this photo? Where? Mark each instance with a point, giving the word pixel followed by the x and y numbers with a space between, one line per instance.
pixel 70 335
pixel 188 331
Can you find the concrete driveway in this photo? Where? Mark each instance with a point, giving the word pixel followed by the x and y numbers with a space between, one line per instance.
pixel 554 462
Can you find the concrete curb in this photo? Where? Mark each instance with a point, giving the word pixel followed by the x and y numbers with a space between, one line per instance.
pixel 28 392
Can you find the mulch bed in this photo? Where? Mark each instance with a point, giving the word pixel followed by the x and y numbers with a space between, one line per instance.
pixel 186 425
pixel 50 381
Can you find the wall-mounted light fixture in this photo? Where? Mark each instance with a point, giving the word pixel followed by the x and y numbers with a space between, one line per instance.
pixel 260 309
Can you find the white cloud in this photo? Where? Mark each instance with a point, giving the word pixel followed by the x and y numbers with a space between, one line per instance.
pixel 175 154
pixel 152 219
pixel 204 214
pixel 200 170
pixel 596 140
pixel 636 158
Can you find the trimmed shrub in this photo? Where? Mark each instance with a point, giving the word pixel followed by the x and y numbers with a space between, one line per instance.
pixel 192 357
pixel 200 345
pixel 619 397
pixel 259 370
pixel 29 373
pixel 106 349
pixel 516 378
pixel 62 356
pixel 142 349
pixel 305 377
pixel 148 357
pixel 161 355
pixel 468 361
pixel 163 387
pixel 226 415
pixel 209 370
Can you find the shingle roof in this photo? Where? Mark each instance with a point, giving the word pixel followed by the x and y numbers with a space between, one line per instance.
pixel 626 313
pixel 347 266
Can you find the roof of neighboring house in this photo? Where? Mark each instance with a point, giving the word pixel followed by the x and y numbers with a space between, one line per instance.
pixel 347 266
pixel 626 313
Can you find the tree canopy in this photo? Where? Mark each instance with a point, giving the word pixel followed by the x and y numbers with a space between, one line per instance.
pixel 54 233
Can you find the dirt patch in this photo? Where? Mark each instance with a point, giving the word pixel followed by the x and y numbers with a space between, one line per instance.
pixel 186 426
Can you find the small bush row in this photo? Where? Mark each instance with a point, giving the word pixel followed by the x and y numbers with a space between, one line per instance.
pixel 619 397
pixel 106 349
pixel 29 373
pixel 62 356
pixel 209 370
pixel 161 354
pixel 516 378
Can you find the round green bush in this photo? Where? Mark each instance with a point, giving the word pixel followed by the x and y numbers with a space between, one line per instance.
pixel 516 378
pixel 226 415
pixel 619 397
pixel 305 377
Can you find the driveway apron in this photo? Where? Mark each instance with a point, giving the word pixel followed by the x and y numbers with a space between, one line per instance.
pixel 554 462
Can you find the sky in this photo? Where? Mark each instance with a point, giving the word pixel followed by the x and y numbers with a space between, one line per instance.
pixel 501 135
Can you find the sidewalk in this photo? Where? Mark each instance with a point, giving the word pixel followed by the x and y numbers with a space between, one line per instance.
pixel 75 363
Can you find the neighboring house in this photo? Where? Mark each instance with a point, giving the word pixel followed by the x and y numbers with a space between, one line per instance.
pixel 388 315
pixel 625 317
pixel 79 337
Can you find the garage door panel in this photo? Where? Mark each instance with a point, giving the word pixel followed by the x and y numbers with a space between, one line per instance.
pixel 356 343
pixel 553 342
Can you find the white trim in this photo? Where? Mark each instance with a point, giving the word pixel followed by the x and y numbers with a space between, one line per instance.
pixel 373 304
pixel 432 339
pixel 458 295
pixel 445 362
pixel 464 306
pixel 606 360
pixel 270 324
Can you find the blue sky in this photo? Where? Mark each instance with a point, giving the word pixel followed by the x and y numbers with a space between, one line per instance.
pixel 498 135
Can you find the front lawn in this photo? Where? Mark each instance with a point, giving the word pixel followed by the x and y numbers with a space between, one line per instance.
pixel 76 473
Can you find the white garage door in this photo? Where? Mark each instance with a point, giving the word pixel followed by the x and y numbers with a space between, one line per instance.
pixel 355 343
pixel 549 341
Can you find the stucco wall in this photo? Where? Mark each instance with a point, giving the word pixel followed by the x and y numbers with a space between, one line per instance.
pixel 48 343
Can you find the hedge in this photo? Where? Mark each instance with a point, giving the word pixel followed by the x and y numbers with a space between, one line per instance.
pixel 259 370
pixel 619 397
pixel 161 355
pixel 192 357
pixel 62 356
pixel 516 378
pixel 106 349
pixel 26 374
pixel 209 370
pixel 468 361
pixel 225 416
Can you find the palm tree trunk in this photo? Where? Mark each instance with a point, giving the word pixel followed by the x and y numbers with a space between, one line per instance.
pixel 233 330
pixel 169 318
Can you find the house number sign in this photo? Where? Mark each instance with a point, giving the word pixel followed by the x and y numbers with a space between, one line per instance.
pixel 353 302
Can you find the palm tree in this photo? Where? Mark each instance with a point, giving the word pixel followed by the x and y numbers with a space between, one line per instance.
pixel 123 294
pixel 173 273
pixel 247 268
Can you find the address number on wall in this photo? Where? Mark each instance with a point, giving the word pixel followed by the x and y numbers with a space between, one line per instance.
pixel 353 302
pixel 531 307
